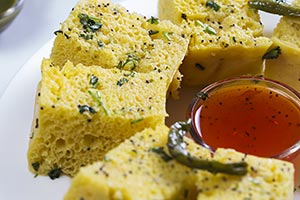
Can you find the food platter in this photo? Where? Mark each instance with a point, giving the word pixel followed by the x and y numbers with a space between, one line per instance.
pixel 17 105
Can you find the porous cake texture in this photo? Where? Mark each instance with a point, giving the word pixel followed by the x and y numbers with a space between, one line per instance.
pixel 84 111
pixel 141 168
pixel 98 32
pixel 226 38
pixel 286 67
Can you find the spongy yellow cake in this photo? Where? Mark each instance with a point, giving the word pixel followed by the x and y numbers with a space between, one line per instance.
pixel 137 170
pixel 286 68
pixel 84 111
pixel 226 38
pixel 105 34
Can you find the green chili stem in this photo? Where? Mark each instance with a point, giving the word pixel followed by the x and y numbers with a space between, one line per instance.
pixel 177 149
pixel 279 7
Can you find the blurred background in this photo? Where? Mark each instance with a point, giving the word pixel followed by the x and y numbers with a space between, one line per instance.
pixel 32 28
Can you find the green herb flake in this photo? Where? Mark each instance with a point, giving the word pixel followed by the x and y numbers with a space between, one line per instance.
pixel 130 74
pixel 160 151
pixel 91 24
pixel 86 36
pixel 153 20
pixel 131 59
pixel 153 32
pixel 273 53
pixel 122 81
pixel 167 35
pixel 85 108
pixel 207 29
pixel 55 173
pixel 213 5
pixel 210 30
pixel 120 65
pixel 199 23
pixel 36 166
pixel 97 97
pixel 94 81
pixel 100 43
pixel 135 121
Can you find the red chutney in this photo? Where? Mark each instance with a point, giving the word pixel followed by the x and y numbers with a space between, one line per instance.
pixel 249 118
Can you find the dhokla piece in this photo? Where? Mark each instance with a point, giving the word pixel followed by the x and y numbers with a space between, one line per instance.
pixel 266 179
pixel 226 38
pixel 105 34
pixel 82 112
pixel 141 168
pixel 286 67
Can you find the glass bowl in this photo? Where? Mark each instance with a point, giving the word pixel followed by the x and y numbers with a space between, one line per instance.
pixel 8 15
pixel 252 115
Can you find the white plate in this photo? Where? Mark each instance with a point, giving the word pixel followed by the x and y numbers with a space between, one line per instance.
pixel 16 112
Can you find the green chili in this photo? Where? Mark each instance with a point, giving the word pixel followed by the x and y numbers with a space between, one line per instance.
pixel 280 7
pixel 177 148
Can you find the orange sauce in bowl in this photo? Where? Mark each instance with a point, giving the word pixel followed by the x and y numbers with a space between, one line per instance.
pixel 248 118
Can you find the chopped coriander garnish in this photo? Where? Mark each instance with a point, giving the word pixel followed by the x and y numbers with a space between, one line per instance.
pixel 54 173
pixel 96 97
pixel 153 20
pixel 86 36
pixel 160 151
pixel 120 65
pixel 210 30
pixel 85 108
pixel 122 81
pixel 91 24
pixel 273 53
pixel 213 5
pixel 167 35
pixel 135 121
pixel 94 81
pixel 207 28
pixel 130 74
pixel 35 166
pixel 153 32
pixel 199 23
pixel 131 58
pixel 100 43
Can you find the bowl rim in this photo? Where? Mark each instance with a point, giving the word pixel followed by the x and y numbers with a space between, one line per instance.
pixel 13 9
pixel 289 152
